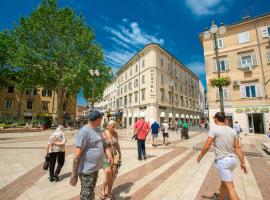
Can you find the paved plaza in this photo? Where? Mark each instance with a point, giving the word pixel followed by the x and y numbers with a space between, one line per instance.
pixel 170 172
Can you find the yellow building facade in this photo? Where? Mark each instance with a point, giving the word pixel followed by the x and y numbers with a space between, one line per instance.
pixel 244 56
pixel 35 103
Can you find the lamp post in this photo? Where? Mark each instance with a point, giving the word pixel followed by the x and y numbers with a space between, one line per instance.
pixel 94 73
pixel 214 33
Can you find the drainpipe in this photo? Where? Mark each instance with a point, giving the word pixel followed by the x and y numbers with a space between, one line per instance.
pixel 260 54
pixel 139 96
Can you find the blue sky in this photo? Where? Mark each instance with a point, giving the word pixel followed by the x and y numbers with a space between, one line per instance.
pixel 122 27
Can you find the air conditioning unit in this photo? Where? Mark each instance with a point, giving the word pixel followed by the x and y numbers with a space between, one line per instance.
pixel 236 82
pixel 247 69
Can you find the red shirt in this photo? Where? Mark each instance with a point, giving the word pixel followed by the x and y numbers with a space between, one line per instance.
pixel 143 131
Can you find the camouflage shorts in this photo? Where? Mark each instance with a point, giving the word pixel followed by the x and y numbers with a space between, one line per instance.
pixel 88 184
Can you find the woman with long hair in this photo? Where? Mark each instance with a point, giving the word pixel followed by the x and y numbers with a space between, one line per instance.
pixel 110 138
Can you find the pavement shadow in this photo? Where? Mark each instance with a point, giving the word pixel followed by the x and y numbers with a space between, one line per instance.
pixel 150 156
pixel 120 189
pixel 63 176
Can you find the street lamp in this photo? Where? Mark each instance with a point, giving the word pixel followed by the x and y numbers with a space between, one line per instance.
pixel 94 73
pixel 214 32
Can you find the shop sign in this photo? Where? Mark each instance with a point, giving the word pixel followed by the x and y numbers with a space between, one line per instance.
pixel 254 109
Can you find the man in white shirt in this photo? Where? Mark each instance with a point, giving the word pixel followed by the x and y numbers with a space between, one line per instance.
pixel 227 146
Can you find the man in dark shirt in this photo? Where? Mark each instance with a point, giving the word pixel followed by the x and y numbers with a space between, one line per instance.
pixel 155 128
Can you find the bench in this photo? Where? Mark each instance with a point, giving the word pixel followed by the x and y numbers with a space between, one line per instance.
pixel 266 147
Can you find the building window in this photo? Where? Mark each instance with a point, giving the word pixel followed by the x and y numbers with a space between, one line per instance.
pixel 251 91
pixel 136 68
pixel 130 98
pixel 8 103
pixel 32 92
pixel 247 60
pixel 136 83
pixel 223 65
pixel 44 106
pixel 130 72
pixel 136 97
pixel 143 64
pixel 130 85
pixel 220 43
pixel 225 93
pixel 125 101
pixel 10 89
pixel 266 32
pixel 46 93
pixel 162 79
pixel 143 79
pixel 126 75
pixel 170 97
pixel 143 94
pixel 161 62
pixel 162 95
pixel 29 105
pixel 243 37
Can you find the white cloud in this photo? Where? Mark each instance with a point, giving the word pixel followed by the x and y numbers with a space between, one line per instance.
pixel 208 7
pixel 127 39
pixel 198 68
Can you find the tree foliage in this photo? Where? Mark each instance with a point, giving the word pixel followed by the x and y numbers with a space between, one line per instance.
pixel 55 49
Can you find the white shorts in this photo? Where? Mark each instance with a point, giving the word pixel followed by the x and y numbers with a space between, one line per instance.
pixel 225 166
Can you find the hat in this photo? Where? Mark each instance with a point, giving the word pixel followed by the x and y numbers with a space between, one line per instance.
pixel 94 115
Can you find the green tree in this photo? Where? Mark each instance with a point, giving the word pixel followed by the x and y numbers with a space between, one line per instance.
pixel 55 48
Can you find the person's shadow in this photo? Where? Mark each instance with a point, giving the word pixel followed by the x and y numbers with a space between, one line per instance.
pixel 63 176
pixel 120 189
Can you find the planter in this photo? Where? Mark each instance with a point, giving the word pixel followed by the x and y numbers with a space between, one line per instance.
pixel 220 82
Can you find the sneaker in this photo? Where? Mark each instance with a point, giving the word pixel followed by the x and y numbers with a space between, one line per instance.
pixel 144 158
pixel 153 145
pixel 51 179
pixel 56 178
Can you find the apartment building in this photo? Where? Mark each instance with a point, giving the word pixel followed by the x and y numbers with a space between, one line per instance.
pixel 33 103
pixel 155 84
pixel 244 56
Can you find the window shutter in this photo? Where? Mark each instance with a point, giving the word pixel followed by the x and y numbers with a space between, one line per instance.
pixel 214 66
pixel 265 32
pixel 258 91
pixel 239 63
pixel 225 93
pixel 226 64
pixel 243 91
pixel 243 37
pixel 254 59
pixel 220 43
pixel 217 94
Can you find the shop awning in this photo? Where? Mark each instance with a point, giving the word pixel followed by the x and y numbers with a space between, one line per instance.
pixel 177 115
pixel 182 116
pixel 170 115
pixel 187 116
pixel 162 114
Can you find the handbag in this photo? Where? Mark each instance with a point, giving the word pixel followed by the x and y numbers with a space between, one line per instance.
pixel 136 135
pixel 46 162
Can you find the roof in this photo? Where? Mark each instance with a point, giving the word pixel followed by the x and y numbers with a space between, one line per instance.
pixel 243 21
pixel 158 46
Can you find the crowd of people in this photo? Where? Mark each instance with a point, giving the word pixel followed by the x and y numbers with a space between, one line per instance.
pixel 97 149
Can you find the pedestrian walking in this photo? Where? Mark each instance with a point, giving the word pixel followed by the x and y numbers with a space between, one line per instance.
pixel 206 124
pixel 180 127
pixel 185 130
pixel 56 151
pixel 142 129
pixel 88 158
pixel 110 138
pixel 237 128
pixel 165 132
pixel 155 128
pixel 227 146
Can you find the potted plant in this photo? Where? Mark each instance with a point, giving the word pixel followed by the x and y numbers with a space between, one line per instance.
pixel 220 82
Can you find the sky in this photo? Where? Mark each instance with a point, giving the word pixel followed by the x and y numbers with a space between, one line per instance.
pixel 123 27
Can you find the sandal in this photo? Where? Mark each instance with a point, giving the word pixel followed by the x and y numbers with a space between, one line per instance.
pixel 102 196
pixel 110 197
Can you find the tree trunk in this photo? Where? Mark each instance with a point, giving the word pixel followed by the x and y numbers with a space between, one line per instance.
pixel 20 104
pixel 61 105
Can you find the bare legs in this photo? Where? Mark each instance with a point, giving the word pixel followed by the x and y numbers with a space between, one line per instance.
pixel 110 175
pixel 227 188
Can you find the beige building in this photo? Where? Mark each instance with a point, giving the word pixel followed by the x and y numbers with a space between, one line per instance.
pixel 155 84
pixel 31 104
pixel 244 56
